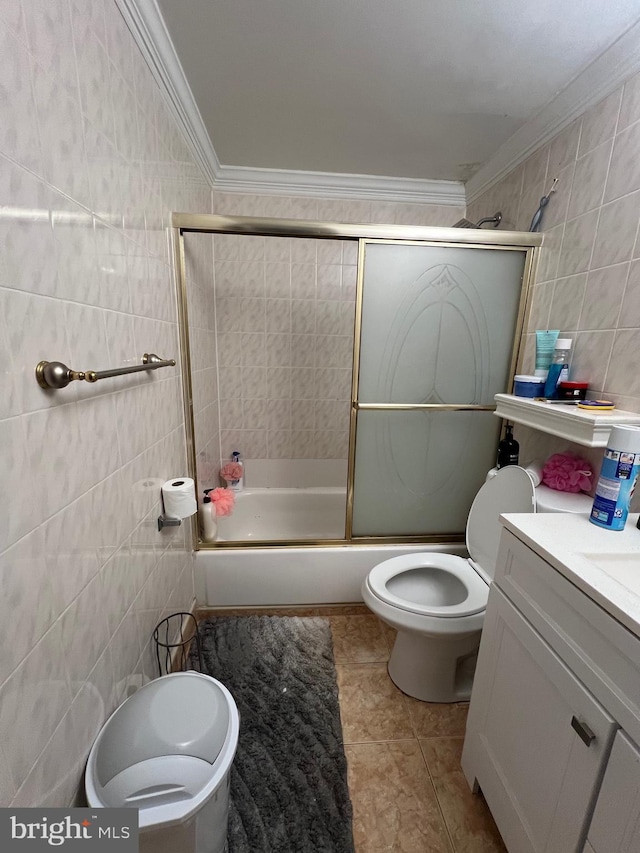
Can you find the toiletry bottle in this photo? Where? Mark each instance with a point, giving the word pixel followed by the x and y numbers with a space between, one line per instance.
pixel 208 523
pixel 508 449
pixel 545 345
pixel 618 477
pixel 237 485
pixel 559 367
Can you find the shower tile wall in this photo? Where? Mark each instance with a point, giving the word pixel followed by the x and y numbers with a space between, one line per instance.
pixel 91 164
pixel 285 313
pixel 588 281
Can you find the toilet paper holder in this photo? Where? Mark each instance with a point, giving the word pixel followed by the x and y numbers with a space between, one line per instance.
pixel 167 521
pixel 178 502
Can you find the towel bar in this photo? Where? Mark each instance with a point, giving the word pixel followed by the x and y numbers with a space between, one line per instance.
pixel 55 374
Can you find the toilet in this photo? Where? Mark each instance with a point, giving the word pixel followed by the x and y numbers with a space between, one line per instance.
pixel 436 602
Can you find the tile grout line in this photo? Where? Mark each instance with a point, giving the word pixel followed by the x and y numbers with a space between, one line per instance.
pixel 435 793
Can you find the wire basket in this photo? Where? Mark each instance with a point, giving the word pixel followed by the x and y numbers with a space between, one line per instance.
pixel 178 644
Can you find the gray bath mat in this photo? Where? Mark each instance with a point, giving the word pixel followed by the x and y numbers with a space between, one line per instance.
pixel 289 778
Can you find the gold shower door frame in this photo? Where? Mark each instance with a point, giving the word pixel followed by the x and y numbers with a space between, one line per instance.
pixel 184 223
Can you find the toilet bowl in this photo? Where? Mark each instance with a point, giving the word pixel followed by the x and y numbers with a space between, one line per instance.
pixel 436 602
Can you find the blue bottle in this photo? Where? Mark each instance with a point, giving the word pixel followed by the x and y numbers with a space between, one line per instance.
pixel 618 477
pixel 559 367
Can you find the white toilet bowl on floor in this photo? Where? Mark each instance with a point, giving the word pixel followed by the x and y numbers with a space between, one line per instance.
pixel 436 602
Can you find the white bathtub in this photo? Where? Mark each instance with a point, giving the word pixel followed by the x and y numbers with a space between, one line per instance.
pixel 288 575
pixel 262 514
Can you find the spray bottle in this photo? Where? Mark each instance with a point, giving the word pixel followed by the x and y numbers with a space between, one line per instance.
pixel 618 477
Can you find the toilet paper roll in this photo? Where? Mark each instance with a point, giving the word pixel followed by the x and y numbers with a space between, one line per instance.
pixel 179 497
pixel 534 470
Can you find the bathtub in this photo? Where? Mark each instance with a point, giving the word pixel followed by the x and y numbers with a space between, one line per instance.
pixel 261 514
pixel 282 575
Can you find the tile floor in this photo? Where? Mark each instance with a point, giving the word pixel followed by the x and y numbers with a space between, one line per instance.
pixel 406 785
pixel 405 781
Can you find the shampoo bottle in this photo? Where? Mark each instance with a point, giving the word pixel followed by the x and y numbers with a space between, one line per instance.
pixel 508 449
pixel 237 485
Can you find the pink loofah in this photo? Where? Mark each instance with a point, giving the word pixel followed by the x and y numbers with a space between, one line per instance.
pixel 566 472
pixel 223 500
pixel 231 471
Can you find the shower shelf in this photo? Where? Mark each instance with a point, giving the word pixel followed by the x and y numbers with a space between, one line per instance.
pixel 566 421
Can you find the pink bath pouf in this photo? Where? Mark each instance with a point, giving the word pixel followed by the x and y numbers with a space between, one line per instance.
pixel 223 500
pixel 567 472
pixel 231 471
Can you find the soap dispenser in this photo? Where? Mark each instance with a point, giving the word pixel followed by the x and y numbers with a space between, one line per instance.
pixel 508 449
pixel 208 523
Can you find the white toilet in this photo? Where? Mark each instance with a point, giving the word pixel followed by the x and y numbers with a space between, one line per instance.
pixel 437 601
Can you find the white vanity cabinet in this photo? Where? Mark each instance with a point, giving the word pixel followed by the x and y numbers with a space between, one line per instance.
pixel 557 682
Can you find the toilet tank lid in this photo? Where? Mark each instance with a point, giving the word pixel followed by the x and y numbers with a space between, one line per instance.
pixel 511 490
pixel 550 500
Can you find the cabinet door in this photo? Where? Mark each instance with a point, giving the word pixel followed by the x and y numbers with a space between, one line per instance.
pixel 615 827
pixel 528 743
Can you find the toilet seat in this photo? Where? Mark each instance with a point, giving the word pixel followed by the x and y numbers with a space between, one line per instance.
pixel 451 586
pixel 449 577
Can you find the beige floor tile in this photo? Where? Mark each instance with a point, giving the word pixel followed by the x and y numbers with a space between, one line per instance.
pixel 394 803
pixel 358 639
pixel 432 719
pixel 371 706
pixel 469 821
pixel 390 635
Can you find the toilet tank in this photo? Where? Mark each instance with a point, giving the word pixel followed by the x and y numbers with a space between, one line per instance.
pixel 550 500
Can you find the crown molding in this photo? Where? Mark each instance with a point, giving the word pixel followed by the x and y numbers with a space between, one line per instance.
pixel 600 78
pixel 335 184
pixel 145 21
pixel 147 26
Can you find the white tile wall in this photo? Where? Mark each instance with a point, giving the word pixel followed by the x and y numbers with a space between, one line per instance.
pixel 588 284
pixel 91 165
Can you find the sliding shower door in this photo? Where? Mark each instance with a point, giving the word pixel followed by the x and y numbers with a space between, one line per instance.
pixel 437 326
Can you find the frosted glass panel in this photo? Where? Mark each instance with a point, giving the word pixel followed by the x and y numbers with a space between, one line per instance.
pixel 438 323
pixel 417 472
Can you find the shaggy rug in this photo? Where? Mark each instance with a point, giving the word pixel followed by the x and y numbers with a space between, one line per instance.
pixel 289 778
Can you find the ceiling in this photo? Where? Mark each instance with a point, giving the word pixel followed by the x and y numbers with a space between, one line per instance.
pixel 425 89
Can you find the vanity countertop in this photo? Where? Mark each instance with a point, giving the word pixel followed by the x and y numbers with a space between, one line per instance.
pixel 604 564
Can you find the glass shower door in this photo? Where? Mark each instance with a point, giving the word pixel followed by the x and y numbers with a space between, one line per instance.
pixel 437 331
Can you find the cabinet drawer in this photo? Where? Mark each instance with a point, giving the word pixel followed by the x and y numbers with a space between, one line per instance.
pixel 603 654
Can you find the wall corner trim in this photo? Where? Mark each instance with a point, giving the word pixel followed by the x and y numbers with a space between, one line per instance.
pixel 605 73
pixel 147 26
pixel 599 79
pixel 338 185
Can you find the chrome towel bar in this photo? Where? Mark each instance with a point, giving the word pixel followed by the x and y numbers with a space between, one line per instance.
pixel 55 374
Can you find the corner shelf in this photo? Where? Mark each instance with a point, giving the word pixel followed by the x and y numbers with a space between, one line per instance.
pixel 569 422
